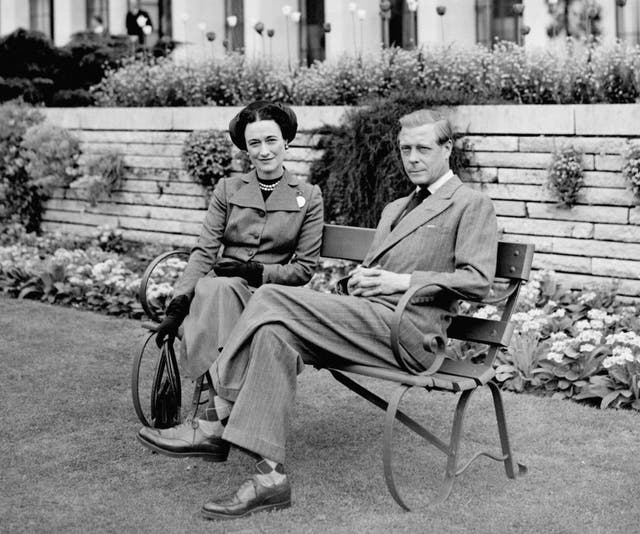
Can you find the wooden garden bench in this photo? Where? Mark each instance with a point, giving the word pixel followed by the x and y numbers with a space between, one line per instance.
pixel 461 377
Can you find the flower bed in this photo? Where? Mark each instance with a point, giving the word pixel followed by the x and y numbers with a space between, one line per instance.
pixel 451 75
pixel 582 346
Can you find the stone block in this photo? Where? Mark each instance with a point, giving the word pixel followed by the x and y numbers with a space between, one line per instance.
pixel 202 118
pixel 616 267
pixel 522 176
pixel 519 225
pixel 526 160
pixel 303 154
pixel 153 162
pixel 604 214
pixel 589 145
pixel 514 119
pixel 133 149
pixel 605 196
pixel 68 118
pixel 510 208
pixel 312 117
pixel 604 179
pixel 479 174
pixel 625 287
pixel 608 163
pixel 494 143
pixel 607 119
pixel 125 118
pixel 132 136
pixel 634 215
pixel 555 262
pixel 595 248
pixel 618 232
pixel 517 192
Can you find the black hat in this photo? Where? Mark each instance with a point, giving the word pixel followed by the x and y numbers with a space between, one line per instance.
pixel 262 110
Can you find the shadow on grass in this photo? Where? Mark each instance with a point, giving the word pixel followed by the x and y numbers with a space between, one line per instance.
pixel 70 461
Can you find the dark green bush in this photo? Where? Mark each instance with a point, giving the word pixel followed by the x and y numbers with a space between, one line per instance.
pixel 20 200
pixel 361 170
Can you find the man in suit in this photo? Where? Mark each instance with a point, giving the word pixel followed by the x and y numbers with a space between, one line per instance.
pixel 443 233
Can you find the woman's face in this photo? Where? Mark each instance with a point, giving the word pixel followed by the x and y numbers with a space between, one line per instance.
pixel 266 148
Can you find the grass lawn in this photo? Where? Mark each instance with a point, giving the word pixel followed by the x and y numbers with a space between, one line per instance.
pixel 70 461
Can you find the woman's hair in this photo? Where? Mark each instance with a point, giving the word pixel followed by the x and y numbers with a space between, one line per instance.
pixel 262 110
pixel 422 117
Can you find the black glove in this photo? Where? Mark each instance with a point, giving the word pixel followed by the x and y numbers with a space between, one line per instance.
pixel 176 311
pixel 251 271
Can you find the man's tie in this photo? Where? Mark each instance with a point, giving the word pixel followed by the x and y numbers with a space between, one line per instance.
pixel 417 199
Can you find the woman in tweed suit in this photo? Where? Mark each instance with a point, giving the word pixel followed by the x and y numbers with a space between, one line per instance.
pixel 262 227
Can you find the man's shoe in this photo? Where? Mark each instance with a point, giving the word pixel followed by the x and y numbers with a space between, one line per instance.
pixel 186 439
pixel 250 498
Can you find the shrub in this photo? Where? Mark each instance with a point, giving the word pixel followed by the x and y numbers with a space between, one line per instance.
pixel 51 155
pixel 360 170
pixel 20 199
pixel 101 175
pixel 631 167
pixel 566 176
pixel 206 156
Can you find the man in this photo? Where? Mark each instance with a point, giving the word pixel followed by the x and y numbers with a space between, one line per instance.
pixel 442 233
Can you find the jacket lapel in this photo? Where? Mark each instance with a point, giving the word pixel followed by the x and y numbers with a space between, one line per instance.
pixel 432 206
pixel 285 195
pixel 248 195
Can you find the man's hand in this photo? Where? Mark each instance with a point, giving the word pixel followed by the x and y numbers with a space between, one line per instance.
pixel 176 311
pixel 368 282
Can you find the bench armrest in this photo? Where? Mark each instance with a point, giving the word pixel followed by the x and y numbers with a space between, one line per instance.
pixel 142 290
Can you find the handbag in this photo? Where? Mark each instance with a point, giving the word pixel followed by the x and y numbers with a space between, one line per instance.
pixel 166 394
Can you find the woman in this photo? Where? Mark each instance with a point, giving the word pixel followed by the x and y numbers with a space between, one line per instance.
pixel 262 227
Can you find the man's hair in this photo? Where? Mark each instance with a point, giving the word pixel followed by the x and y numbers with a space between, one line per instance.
pixel 422 117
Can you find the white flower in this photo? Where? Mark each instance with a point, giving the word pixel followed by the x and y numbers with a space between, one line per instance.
pixel 587 347
pixel 582 325
pixel 560 312
pixel 596 324
pixel 555 357
pixel 586 297
pixel 596 314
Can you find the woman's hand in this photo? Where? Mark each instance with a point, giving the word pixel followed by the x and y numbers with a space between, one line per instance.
pixel 176 311
pixel 251 271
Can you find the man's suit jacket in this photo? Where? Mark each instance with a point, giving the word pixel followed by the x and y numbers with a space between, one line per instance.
pixel 450 239
pixel 284 233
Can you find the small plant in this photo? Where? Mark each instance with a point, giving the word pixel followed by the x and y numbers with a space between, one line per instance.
pixel 51 154
pixel 110 239
pixel 206 155
pixel 102 175
pixel 566 176
pixel 631 167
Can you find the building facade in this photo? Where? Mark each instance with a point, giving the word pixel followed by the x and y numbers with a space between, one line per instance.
pixel 308 30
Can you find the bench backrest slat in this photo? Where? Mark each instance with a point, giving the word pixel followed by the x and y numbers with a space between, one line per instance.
pixel 352 243
pixel 346 242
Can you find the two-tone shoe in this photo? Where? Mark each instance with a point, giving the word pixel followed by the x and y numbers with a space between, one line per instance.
pixel 184 440
pixel 251 497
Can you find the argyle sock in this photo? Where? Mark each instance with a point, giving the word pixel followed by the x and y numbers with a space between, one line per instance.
pixel 214 419
pixel 270 473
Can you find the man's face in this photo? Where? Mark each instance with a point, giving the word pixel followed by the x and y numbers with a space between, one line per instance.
pixel 423 158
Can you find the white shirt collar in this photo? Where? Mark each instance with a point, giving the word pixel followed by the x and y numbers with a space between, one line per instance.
pixel 440 182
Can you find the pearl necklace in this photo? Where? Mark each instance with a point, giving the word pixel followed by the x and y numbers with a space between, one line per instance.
pixel 269 187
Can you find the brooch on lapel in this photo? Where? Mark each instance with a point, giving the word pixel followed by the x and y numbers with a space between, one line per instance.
pixel 300 199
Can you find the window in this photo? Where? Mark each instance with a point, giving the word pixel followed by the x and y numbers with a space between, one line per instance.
pixel 312 40
pixel 628 22
pixel 403 25
pixel 235 35
pixel 98 9
pixel 41 16
pixel 159 11
pixel 495 20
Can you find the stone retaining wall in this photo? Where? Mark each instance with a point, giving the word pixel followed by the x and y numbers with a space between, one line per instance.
pixel 597 239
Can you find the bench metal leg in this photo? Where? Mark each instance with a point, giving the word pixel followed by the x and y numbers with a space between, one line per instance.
pixel 509 464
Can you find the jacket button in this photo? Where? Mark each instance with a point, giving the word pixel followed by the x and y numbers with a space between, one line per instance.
pixel 262 213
